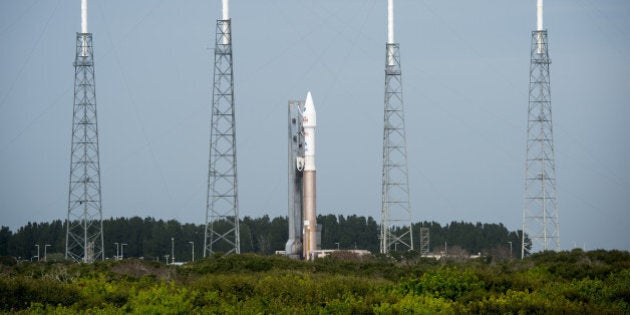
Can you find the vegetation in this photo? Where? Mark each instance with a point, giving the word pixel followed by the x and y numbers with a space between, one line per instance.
pixel 596 282
pixel 151 239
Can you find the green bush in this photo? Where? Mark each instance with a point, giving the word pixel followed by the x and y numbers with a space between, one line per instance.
pixel 420 304
pixel 567 282
pixel 163 298
pixel 8 261
pixel 18 293
pixel 446 283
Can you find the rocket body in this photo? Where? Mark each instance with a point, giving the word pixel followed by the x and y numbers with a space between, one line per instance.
pixel 309 122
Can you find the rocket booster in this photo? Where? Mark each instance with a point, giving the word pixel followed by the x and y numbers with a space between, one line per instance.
pixel 309 122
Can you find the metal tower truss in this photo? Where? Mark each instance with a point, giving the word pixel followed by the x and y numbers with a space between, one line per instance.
pixel 222 220
pixel 425 241
pixel 395 231
pixel 84 234
pixel 540 210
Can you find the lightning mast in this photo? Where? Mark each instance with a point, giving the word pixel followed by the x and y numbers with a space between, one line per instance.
pixel 222 220
pixel 395 229
pixel 540 210
pixel 84 234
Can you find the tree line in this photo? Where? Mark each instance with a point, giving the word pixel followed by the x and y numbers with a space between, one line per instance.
pixel 152 239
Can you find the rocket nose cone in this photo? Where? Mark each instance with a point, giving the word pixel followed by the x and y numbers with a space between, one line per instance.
pixel 309 101
pixel 309 111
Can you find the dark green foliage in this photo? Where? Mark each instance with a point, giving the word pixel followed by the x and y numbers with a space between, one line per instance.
pixel 21 244
pixel 350 232
pixel 595 282
pixel 5 237
pixel 8 261
pixel 262 235
pixel 150 239
pixel 448 283
pixel 19 293
pixel 340 284
pixel 577 264
pixel 488 239
pixel 219 263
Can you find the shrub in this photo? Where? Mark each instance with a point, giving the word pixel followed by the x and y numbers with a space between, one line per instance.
pixel 19 293
pixel 8 261
pixel 163 298
pixel 447 283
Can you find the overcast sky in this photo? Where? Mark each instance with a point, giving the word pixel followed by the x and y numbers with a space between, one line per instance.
pixel 465 76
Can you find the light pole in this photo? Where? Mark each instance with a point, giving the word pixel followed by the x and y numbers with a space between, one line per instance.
pixel 193 250
pixel 117 251
pixel 45 246
pixel 37 245
pixel 172 250
pixel 122 250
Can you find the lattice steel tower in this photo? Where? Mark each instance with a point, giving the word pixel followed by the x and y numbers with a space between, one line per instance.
pixel 84 234
pixel 222 220
pixel 425 241
pixel 540 209
pixel 395 229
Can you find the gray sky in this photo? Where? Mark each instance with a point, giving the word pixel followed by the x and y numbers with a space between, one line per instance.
pixel 465 76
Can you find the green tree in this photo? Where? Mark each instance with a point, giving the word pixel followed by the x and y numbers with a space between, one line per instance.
pixel 5 238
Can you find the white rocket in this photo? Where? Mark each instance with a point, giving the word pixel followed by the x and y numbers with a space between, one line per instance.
pixel 309 122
